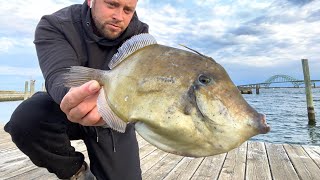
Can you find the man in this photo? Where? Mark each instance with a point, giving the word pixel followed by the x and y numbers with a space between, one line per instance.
pixel 42 126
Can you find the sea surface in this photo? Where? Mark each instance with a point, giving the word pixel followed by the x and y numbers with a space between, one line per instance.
pixel 287 115
pixel 285 108
pixel 6 109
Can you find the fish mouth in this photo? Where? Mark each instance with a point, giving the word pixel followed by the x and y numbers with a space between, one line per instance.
pixel 262 124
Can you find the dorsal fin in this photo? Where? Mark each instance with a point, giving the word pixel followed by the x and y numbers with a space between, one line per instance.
pixel 130 46
pixel 197 52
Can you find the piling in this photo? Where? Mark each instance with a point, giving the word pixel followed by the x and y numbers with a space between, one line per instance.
pixel 32 83
pixel 26 90
pixel 257 89
pixel 310 107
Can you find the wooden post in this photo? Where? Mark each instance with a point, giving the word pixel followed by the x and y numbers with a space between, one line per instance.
pixel 310 107
pixel 32 83
pixel 26 90
pixel 257 89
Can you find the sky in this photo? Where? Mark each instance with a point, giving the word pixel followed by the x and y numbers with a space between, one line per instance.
pixel 252 39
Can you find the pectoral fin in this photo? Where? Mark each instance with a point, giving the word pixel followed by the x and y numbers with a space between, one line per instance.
pixel 112 120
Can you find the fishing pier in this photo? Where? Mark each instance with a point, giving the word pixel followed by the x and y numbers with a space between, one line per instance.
pixel 252 160
pixel 29 90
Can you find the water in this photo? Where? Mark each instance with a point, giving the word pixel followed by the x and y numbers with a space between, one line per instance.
pixel 6 109
pixel 286 112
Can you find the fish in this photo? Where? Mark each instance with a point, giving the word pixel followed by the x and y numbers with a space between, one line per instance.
pixel 180 101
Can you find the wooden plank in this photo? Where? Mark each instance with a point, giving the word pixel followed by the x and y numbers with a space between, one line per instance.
pixel 15 165
pixel 157 164
pixel 210 168
pixel 185 169
pixel 10 156
pixel 257 162
pixel 162 168
pixel 7 150
pixel 5 138
pixel 280 164
pixel 6 146
pixel 142 143
pixel 152 159
pixel 35 173
pixel 48 176
pixel 303 164
pixel 235 164
pixel 4 135
pixel 139 138
pixel 79 145
pixel 314 153
pixel 146 150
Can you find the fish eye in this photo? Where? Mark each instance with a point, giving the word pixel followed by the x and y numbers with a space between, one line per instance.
pixel 204 80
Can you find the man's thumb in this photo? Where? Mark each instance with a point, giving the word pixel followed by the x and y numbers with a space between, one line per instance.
pixel 94 86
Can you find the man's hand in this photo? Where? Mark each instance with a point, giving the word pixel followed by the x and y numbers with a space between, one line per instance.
pixel 80 104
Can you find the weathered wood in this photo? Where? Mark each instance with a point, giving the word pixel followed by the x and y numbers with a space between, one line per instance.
pixel 210 168
pixel 162 168
pixel 36 173
pixel 303 164
pixel 5 139
pixel 257 162
pixel 7 146
pixel 235 164
pixel 11 97
pixel 26 90
pixel 7 150
pixel 142 142
pixel 32 86
pixel 15 163
pixel 184 169
pixel 153 158
pixel 257 89
pixel 146 150
pixel 314 153
pixel 308 88
pixel 252 160
pixel 280 164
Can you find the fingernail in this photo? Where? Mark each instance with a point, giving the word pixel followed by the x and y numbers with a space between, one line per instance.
pixel 94 86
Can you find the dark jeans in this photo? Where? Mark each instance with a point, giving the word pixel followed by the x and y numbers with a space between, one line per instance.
pixel 41 130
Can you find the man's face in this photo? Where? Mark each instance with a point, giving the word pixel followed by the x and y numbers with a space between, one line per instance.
pixel 112 17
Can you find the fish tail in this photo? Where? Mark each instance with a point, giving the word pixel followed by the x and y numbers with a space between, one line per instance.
pixel 79 75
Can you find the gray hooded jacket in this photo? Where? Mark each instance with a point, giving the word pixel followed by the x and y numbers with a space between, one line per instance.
pixel 65 38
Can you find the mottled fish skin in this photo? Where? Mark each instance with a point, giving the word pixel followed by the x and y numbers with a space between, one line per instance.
pixel 181 102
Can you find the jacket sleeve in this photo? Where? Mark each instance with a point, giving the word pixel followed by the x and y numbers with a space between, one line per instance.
pixel 55 55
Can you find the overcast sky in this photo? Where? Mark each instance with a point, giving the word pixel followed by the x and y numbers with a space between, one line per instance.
pixel 252 39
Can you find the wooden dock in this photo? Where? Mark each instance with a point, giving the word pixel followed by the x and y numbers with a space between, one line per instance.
pixel 251 161
pixel 12 96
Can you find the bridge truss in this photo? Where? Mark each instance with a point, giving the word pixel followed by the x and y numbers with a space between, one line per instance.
pixel 279 79
pixel 282 79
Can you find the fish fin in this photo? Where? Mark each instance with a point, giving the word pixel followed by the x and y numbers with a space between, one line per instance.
pixel 130 46
pixel 112 120
pixel 79 75
pixel 196 51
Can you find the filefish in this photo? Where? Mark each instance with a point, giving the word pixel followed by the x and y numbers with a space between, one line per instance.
pixel 180 101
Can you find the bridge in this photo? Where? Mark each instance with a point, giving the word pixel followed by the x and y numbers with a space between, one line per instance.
pixel 278 79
